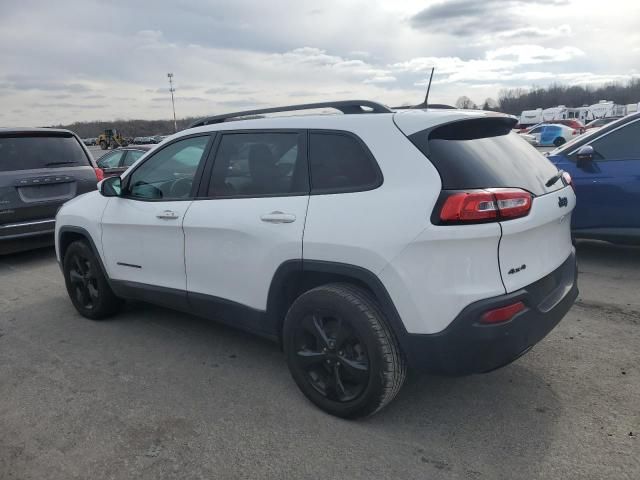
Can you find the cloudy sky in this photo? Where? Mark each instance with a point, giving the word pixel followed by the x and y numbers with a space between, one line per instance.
pixel 90 59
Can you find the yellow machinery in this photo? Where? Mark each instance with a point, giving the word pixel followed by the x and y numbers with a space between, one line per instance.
pixel 111 138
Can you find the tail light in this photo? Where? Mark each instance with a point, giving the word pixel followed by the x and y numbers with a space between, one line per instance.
pixel 576 132
pixel 99 174
pixel 502 314
pixel 568 180
pixel 491 204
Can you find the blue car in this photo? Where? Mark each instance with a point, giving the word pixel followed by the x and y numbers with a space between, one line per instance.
pixel 605 168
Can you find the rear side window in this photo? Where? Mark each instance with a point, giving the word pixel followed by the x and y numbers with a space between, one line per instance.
pixel 484 153
pixel 22 152
pixel 340 163
pixel 111 160
pixel 260 164
pixel 132 157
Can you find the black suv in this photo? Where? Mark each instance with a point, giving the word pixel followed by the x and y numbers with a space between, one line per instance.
pixel 40 169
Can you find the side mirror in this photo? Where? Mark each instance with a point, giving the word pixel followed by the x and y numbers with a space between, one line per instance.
pixel 110 187
pixel 584 156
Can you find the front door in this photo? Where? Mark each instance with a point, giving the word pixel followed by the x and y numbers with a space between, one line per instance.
pixel 142 236
pixel 252 220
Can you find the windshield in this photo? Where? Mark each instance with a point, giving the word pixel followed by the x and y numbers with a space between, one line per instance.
pixel 20 152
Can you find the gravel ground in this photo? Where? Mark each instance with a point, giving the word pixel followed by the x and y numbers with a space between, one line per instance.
pixel 155 394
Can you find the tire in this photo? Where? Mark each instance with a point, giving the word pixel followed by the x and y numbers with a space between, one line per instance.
pixel 103 145
pixel 86 283
pixel 341 352
pixel 559 141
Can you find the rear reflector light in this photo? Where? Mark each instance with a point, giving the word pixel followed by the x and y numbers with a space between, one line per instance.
pixel 99 174
pixel 485 205
pixel 502 314
pixel 567 179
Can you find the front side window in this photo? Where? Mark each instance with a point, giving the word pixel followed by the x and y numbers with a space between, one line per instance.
pixel 111 160
pixel 260 164
pixel 169 174
pixel 339 162
pixel 622 144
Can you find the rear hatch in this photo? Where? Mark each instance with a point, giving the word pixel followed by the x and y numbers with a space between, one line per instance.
pixel 481 156
pixel 39 171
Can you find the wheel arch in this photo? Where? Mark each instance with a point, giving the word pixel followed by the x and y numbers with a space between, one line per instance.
pixel 69 234
pixel 295 277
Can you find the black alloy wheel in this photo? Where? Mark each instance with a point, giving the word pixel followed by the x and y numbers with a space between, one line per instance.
pixel 86 283
pixel 341 352
pixel 333 357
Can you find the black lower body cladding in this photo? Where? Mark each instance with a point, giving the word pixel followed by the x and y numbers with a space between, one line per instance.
pixel 466 346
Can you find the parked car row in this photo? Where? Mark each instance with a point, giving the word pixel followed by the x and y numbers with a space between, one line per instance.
pixel 149 140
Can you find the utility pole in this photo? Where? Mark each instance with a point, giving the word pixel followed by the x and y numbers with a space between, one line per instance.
pixel 173 103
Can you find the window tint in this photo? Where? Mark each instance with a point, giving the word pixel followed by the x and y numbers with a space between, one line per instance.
pixel 255 164
pixel 21 152
pixel 339 162
pixel 483 153
pixel 132 157
pixel 536 130
pixel 111 160
pixel 622 144
pixel 168 175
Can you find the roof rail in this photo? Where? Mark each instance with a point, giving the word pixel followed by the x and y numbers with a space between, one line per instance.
pixel 345 106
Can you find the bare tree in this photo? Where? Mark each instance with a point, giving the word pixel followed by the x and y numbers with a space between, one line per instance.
pixel 465 103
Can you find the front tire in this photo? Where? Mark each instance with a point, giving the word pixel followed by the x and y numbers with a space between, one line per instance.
pixel 341 352
pixel 86 283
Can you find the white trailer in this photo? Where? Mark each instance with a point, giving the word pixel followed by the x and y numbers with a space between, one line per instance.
pixel 530 117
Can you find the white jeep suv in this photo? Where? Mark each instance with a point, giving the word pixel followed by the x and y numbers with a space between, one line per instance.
pixel 364 243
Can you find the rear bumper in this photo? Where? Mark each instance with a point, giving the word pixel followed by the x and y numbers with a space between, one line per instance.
pixel 19 236
pixel 466 346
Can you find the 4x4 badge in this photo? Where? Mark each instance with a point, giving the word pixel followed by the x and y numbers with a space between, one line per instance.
pixel 563 202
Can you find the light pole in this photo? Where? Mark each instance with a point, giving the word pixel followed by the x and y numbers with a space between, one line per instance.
pixel 173 103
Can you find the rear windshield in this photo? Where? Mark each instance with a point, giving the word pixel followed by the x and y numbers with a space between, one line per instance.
pixel 21 152
pixel 484 153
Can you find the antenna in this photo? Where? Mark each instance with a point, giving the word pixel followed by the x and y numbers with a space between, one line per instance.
pixel 426 97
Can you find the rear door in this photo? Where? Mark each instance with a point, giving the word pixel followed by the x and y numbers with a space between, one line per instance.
pixel 39 171
pixel 608 188
pixel 249 219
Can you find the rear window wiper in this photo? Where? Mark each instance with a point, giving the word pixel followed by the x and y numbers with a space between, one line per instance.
pixel 50 164
pixel 554 179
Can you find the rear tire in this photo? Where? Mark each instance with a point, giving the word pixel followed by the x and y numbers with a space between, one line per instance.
pixel 86 283
pixel 341 352
pixel 559 141
pixel 103 145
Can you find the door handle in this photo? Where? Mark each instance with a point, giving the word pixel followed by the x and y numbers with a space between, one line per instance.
pixel 278 217
pixel 167 215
